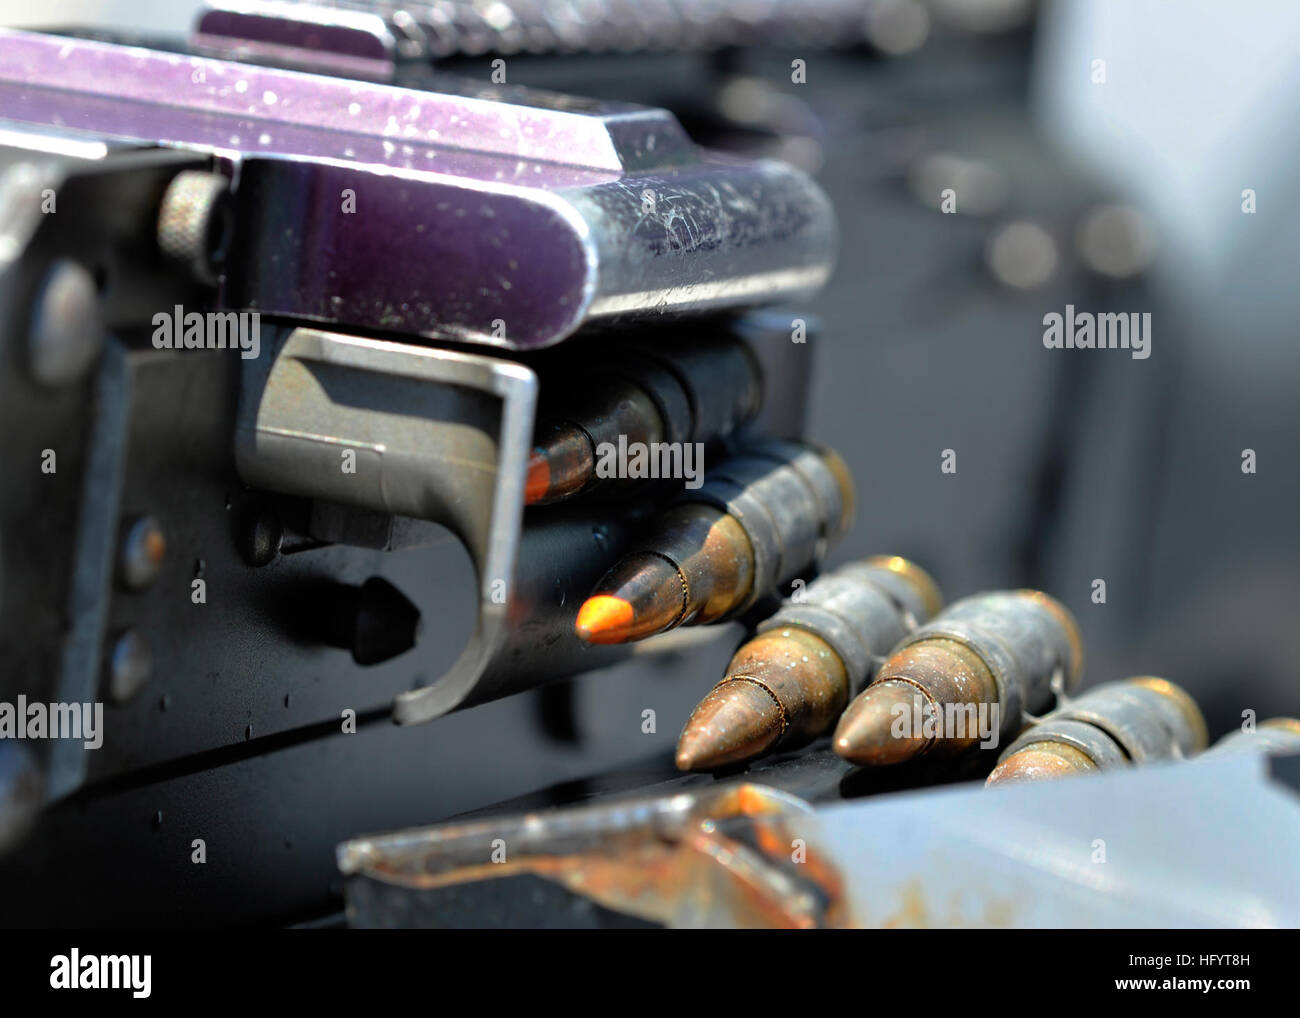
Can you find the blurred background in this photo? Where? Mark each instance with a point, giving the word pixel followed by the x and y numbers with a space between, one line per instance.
pixel 1100 153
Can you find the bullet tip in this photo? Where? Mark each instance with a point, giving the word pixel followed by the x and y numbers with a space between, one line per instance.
pixel 691 756
pixel 1041 762
pixel 537 482
pixel 604 618
pixel 865 734
pixel 642 595
pixel 560 464
pixel 738 721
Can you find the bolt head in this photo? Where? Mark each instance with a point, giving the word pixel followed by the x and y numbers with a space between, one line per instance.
pixel 263 538
pixel 143 549
pixel 130 666
pixel 65 335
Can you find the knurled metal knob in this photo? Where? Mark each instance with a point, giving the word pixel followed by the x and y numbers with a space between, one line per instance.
pixel 195 221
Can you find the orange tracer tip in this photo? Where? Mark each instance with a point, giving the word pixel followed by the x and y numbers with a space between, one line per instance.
pixel 604 618
pixel 537 483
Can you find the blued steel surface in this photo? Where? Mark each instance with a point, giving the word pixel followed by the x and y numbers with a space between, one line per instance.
pixel 519 216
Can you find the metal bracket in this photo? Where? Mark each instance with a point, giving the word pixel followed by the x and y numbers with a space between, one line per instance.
pixel 717 858
pixel 434 434
pixel 443 436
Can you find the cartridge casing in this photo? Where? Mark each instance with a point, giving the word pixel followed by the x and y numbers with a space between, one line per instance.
pixel 789 683
pixel 1024 638
pixel 1119 723
pixel 758 521
pixel 705 390
pixel 1276 735
pixel 861 610
pixel 668 395
pixel 791 499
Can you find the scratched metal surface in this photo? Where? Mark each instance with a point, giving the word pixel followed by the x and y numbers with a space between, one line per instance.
pixel 524 208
